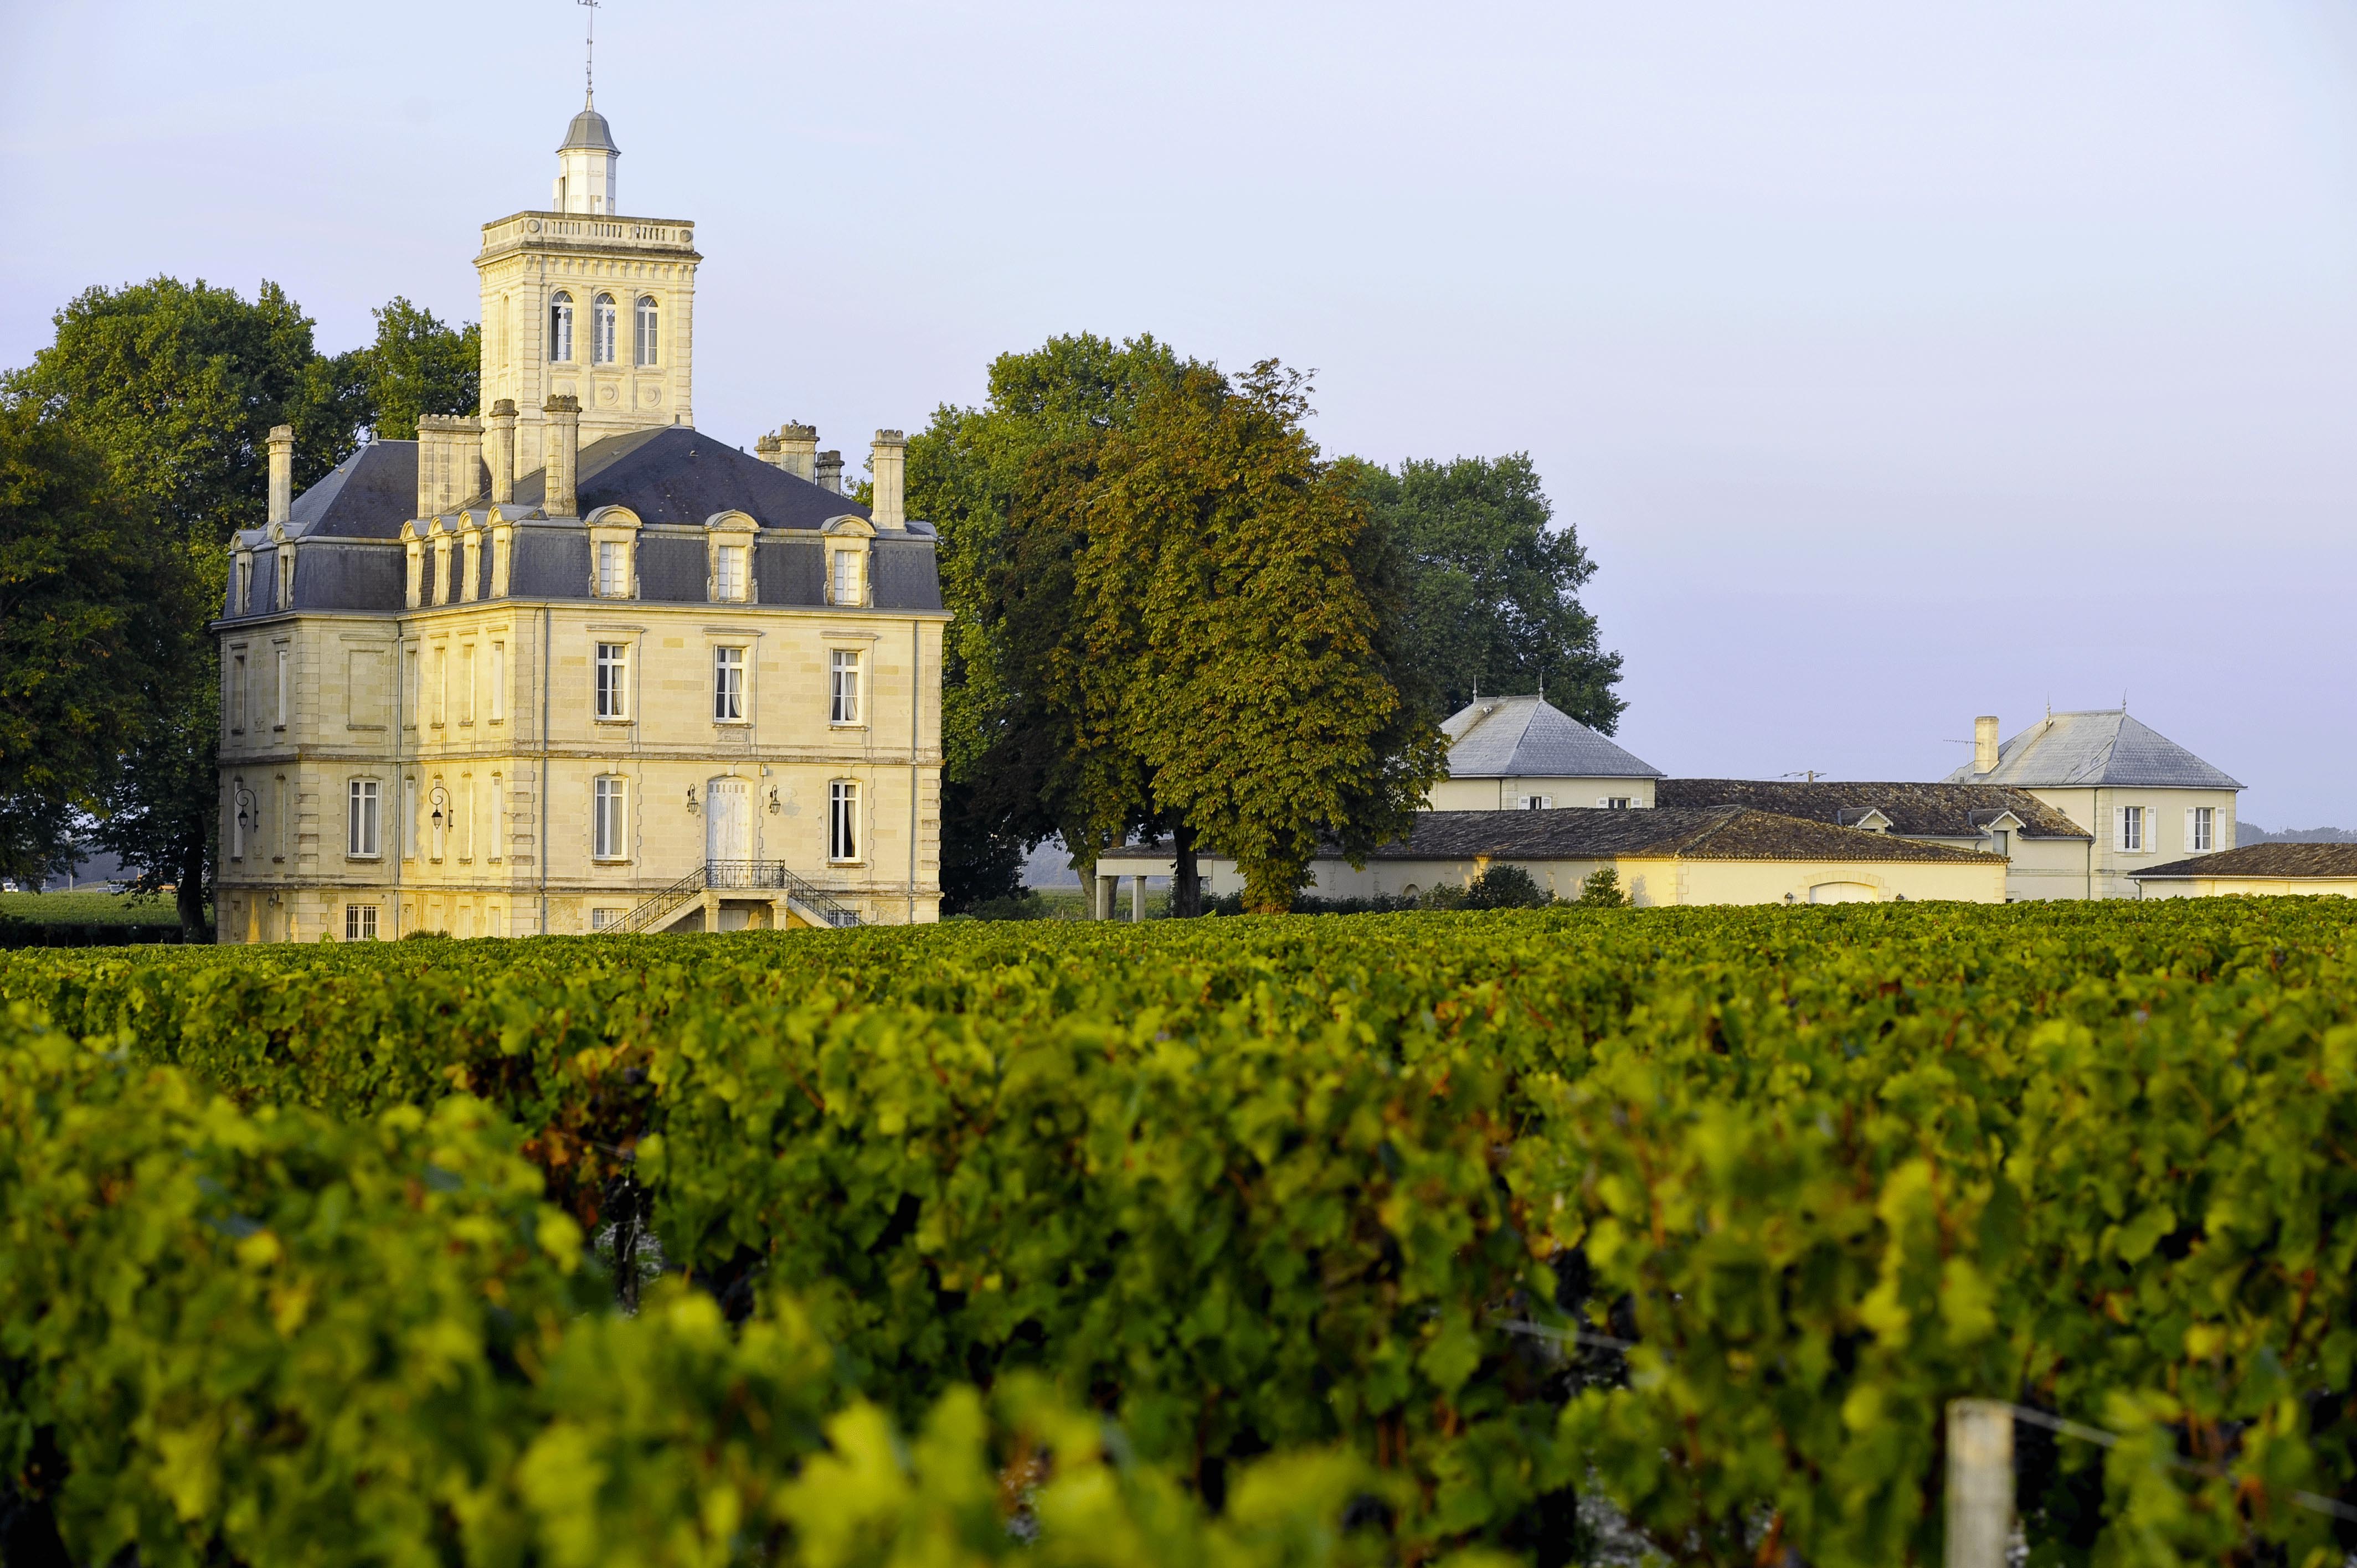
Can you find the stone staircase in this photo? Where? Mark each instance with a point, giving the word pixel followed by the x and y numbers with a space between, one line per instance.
pixel 814 904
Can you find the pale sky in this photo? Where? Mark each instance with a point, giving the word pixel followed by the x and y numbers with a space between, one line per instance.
pixel 1897 362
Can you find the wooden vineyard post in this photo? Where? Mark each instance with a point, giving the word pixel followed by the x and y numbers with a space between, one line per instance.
pixel 1980 1483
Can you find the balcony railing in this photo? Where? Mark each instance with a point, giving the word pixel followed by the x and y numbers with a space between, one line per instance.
pixel 750 875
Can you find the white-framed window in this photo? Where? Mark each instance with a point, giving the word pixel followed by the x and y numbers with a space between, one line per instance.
pixel 606 799
pixel 237 693
pixel 842 690
pixel 843 821
pixel 497 847
pixel 650 319
pixel 286 686
pixel 285 577
pixel 601 329
pixel 602 919
pixel 560 327
pixel 360 922
pixel 845 588
pixel 2129 828
pixel 613 569
pixel 1534 803
pixel 729 574
pixel 499 682
pixel 2201 828
pixel 360 824
pixel 1613 803
pixel 727 685
pixel 613 680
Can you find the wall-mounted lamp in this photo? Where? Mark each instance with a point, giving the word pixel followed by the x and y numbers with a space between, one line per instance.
pixel 440 797
pixel 773 799
pixel 691 800
pixel 246 814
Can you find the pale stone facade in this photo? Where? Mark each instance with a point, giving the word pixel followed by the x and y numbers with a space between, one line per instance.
pixel 531 670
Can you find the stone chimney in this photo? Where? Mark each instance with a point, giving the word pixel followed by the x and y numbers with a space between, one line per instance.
pixel 798 449
pixel 766 449
pixel 830 471
pixel 556 497
pixel 1984 744
pixel 282 472
pixel 498 450
pixel 449 461
pixel 888 462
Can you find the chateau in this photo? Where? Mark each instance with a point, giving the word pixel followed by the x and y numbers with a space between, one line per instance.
pixel 572 664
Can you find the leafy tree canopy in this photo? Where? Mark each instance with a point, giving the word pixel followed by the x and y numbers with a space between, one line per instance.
pixel 417 365
pixel 1492 587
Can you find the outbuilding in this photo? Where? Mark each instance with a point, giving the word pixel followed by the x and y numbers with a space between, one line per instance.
pixel 2259 868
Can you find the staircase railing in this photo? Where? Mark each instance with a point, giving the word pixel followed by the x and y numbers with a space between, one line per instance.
pixel 761 876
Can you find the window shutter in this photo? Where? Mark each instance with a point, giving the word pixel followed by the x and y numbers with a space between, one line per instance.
pixel 2120 828
pixel 2189 837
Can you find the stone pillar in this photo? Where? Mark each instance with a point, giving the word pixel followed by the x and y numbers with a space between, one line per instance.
pixel 798 449
pixel 557 498
pixel 1136 899
pixel 500 450
pixel 830 471
pixel 1103 885
pixel 888 459
pixel 282 472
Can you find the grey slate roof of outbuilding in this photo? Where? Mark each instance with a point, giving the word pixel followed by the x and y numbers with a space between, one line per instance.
pixel 2262 860
pixel 1916 810
pixel 2100 747
pixel 1526 737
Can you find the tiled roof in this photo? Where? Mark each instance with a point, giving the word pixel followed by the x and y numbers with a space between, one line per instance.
pixel 1524 738
pixel 2103 746
pixel 1719 832
pixel 1917 811
pixel 369 495
pixel 2290 860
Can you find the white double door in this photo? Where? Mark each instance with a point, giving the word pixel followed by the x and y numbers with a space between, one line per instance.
pixel 728 819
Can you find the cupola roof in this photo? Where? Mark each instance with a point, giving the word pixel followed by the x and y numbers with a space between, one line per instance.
pixel 589 130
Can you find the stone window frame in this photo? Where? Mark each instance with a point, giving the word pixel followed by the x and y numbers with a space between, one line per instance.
pixel 854 537
pixel 617 525
pixel 843 797
pixel 363 831
pixel 730 530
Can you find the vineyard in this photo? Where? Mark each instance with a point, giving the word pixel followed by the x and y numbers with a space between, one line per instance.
pixel 1512 1236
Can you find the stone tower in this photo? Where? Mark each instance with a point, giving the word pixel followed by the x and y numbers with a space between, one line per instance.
pixel 579 300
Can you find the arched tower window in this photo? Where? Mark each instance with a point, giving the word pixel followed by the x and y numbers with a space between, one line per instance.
pixel 648 342
pixel 601 329
pixel 560 327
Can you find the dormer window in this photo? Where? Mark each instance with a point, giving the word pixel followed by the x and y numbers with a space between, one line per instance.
pixel 729 574
pixel 286 576
pixel 601 331
pixel 646 325
pixel 844 588
pixel 560 327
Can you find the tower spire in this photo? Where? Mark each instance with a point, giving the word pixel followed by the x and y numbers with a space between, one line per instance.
pixel 589 60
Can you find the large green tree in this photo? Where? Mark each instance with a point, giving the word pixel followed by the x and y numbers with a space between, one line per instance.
pixel 175 387
pixel 88 590
pixel 1493 584
pixel 996 481
pixel 1240 624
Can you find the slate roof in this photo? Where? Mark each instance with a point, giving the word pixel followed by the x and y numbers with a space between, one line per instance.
pixel 1719 832
pixel 677 474
pixel 2102 746
pixel 1914 811
pixel 369 495
pixel 2289 860
pixel 589 130
pixel 1526 737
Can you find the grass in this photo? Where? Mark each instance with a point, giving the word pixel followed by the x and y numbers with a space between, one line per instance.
pixel 87 906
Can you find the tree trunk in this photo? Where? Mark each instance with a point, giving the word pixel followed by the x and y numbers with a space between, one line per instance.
pixel 1187 886
pixel 189 893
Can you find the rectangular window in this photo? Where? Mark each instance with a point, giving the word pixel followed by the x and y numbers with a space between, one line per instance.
pixel 843 670
pixel 847 577
pixel 613 680
pixel 499 682
pixel 498 818
pixel 842 820
pixel 613 570
pixel 2130 829
pixel 245 585
pixel 360 834
pixel 601 920
pixel 2201 828
pixel 237 693
pixel 727 685
pixel 466 688
pixel 728 572
pixel 360 922
pixel 647 329
pixel 1534 803
pixel 285 685
pixel 606 819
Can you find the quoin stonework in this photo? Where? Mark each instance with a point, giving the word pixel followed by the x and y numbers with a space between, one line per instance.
pixel 569 663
